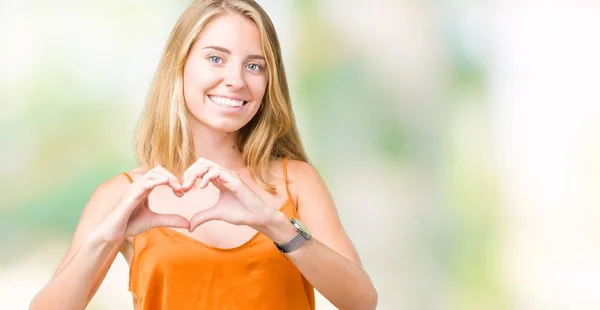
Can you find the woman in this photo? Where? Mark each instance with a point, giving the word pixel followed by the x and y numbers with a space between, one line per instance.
pixel 224 212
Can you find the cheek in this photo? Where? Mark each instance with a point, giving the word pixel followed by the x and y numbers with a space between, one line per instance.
pixel 197 79
pixel 257 86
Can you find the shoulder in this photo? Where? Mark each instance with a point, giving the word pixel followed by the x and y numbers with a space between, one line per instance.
pixel 136 172
pixel 293 170
pixel 301 171
pixel 103 200
pixel 120 180
pixel 303 178
pixel 114 187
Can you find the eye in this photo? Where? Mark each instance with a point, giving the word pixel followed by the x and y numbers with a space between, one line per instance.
pixel 215 59
pixel 254 67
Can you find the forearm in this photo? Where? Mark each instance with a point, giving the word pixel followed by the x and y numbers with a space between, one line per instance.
pixel 70 287
pixel 344 283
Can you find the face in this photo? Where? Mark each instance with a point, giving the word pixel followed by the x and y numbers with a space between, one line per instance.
pixel 225 75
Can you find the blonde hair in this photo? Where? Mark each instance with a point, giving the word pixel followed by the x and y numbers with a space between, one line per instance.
pixel 163 136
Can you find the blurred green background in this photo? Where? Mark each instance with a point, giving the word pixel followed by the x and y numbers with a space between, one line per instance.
pixel 471 127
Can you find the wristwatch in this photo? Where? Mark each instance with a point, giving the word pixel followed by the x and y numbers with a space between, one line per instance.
pixel 299 240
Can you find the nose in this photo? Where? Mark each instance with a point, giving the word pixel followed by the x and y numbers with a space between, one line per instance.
pixel 234 79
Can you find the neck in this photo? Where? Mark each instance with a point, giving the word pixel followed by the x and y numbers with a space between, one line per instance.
pixel 216 146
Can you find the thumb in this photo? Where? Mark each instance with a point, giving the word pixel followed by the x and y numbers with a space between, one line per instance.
pixel 204 216
pixel 169 220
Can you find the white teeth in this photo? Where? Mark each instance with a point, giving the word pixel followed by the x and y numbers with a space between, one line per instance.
pixel 226 101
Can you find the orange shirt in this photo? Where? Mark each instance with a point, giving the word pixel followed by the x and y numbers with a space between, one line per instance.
pixel 173 271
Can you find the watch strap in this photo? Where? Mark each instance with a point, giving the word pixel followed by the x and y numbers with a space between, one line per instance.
pixel 293 244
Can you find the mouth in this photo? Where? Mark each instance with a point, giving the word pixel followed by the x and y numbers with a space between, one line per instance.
pixel 227 102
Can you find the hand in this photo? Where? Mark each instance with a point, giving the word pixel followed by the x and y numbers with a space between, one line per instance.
pixel 237 204
pixel 131 216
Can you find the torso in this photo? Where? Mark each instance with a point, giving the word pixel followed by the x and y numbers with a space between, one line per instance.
pixel 216 234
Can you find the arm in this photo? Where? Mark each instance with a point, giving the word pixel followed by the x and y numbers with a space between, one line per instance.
pixel 117 210
pixel 88 258
pixel 329 260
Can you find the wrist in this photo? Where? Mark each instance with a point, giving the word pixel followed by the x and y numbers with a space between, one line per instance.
pixel 278 228
pixel 97 239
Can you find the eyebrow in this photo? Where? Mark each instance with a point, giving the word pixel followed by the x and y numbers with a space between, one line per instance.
pixel 226 51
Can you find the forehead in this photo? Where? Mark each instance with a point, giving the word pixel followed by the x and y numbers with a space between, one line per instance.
pixel 234 32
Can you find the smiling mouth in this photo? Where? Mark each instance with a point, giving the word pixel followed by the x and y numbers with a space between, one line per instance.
pixel 227 102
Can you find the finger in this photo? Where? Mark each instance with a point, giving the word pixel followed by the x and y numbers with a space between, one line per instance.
pixel 210 214
pixel 196 171
pixel 142 188
pixel 169 220
pixel 173 181
pixel 228 180
pixel 209 176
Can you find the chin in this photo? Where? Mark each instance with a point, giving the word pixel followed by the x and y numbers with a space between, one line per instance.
pixel 224 126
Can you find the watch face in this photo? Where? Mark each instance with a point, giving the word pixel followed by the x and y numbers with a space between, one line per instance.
pixel 301 228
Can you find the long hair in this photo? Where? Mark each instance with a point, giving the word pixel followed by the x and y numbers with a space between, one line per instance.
pixel 163 136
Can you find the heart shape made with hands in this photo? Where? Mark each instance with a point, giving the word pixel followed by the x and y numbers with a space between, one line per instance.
pixel 237 203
